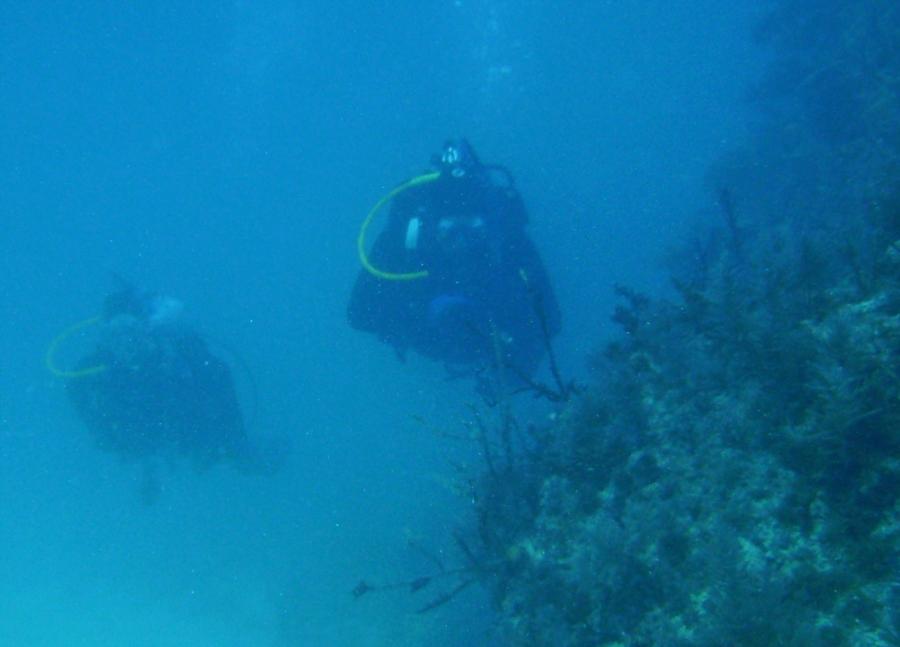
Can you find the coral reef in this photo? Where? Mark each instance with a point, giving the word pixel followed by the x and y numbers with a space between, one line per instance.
pixel 733 474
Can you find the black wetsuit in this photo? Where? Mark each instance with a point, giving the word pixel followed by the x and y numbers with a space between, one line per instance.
pixel 161 394
pixel 486 288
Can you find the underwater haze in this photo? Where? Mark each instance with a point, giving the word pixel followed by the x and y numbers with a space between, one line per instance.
pixel 226 153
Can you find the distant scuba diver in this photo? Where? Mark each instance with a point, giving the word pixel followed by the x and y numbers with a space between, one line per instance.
pixel 151 390
pixel 453 275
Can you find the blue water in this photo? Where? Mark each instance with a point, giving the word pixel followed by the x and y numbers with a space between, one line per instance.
pixel 226 153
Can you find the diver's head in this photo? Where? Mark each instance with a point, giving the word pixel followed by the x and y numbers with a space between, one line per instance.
pixel 164 311
pixel 462 235
pixel 127 300
pixel 457 158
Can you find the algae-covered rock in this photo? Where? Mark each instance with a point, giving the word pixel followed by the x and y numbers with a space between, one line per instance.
pixel 733 478
pixel 698 517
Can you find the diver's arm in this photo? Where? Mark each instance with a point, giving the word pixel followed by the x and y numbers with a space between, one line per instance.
pixel 383 306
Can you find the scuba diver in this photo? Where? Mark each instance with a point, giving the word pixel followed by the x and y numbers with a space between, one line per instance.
pixel 453 275
pixel 152 391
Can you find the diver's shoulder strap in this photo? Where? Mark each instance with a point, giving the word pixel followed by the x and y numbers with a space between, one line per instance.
pixel 500 179
pixel 499 176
